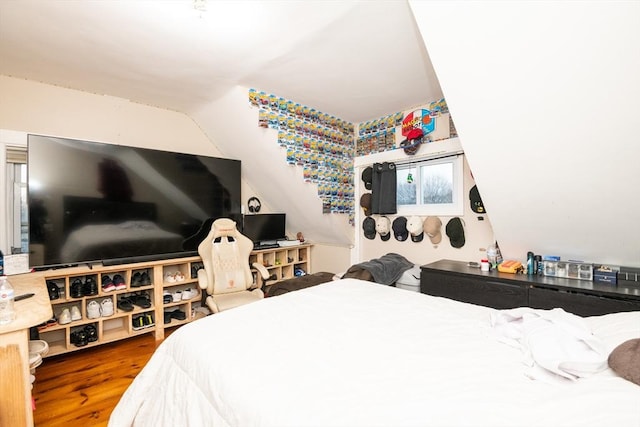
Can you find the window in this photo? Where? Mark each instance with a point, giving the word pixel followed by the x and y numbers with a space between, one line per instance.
pixel 16 191
pixel 430 187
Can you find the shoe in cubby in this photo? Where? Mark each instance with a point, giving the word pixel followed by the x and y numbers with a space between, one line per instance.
pixel 107 284
pixel 65 317
pixel 79 337
pixel 89 287
pixel 106 307
pixel 119 283
pixel 77 288
pixel 75 313
pixel 93 309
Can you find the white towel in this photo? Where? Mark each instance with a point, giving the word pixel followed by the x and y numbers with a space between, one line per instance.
pixel 553 341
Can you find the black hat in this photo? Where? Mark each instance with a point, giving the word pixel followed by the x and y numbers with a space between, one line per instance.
pixel 455 231
pixel 369 228
pixel 400 229
pixel 476 201
pixel 365 202
pixel 367 177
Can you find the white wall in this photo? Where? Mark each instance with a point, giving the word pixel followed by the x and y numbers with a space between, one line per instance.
pixel 31 107
pixel 545 97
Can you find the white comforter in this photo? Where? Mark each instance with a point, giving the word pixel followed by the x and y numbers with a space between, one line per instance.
pixel 353 353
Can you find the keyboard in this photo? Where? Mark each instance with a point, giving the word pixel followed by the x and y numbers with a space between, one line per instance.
pixel 259 247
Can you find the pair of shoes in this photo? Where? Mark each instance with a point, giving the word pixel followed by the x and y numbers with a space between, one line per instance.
pixel 140 279
pixel 107 284
pixel 141 300
pixel 189 293
pixel 118 281
pixel 142 321
pixel 49 323
pixel 175 276
pixel 84 336
pixel 54 291
pixel 86 289
pixel 175 314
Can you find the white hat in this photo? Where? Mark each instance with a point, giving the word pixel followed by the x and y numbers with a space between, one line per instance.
pixel 382 227
pixel 414 227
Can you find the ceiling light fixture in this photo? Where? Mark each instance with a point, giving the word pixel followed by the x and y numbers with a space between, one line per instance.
pixel 200 5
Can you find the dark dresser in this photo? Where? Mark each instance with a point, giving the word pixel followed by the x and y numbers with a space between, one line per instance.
pixel 456 280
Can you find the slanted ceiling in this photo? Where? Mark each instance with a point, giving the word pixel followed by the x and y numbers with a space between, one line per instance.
pixel 543 95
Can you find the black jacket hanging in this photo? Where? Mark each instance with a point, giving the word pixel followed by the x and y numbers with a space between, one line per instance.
pixel 383 188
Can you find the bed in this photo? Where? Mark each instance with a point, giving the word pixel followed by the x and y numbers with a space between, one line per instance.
pixel 357 353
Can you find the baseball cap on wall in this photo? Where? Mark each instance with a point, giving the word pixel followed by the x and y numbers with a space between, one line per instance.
pixel 369 228
pixel 400 231
pixel 432 227
pixel 476 202
pixel 367 177
pixel 383 227
pixel 455 231
pixel 365 203
pixel 414 227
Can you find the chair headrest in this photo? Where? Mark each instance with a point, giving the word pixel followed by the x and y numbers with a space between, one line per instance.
pixel 224 227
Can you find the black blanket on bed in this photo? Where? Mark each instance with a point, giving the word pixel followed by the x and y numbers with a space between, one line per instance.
pixel 385 270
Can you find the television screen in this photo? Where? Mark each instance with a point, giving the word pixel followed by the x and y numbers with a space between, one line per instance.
pixel 91 201
pixel 264 227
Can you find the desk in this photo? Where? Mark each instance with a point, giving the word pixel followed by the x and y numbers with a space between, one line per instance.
pixel 456 280
pixel 15 387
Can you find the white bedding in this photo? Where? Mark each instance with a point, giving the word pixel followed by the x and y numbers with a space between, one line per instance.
pixel 354 353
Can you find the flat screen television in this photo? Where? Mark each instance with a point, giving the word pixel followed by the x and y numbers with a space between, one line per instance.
pixel 265 228
pixel 96 202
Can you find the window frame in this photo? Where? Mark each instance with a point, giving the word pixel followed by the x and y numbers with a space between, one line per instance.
pixel 456 207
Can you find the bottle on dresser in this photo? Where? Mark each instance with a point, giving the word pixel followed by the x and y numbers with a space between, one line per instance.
pixel 7 309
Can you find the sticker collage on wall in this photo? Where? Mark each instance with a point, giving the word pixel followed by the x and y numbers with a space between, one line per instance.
pixel 319 143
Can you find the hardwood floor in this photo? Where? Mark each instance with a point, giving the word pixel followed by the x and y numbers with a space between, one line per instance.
pixel 83 387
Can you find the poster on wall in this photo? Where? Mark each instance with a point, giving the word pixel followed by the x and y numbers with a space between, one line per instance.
pixel 420 118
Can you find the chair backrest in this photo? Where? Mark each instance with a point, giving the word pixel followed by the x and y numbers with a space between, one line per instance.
pixel 225 256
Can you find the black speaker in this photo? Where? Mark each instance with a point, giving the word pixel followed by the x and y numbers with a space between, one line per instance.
pixel 254 204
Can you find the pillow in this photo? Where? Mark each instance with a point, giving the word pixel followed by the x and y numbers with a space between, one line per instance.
pixel 625 360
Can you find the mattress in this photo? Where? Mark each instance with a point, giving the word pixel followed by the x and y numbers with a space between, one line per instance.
pixel 356 353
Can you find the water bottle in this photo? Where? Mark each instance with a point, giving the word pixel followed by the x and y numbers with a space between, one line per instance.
pixel 7 309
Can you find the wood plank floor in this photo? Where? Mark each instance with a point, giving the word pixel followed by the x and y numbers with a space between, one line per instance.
pixel 82 388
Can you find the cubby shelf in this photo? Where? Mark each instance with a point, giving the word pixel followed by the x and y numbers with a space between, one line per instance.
pixel 173 276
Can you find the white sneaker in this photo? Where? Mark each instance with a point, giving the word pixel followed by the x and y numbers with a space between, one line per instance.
pixel 75 313
pixel 170 278
pixel 65 317
pixel 106 307
pixel 93 309
pixel 177 296
pixel 189 293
